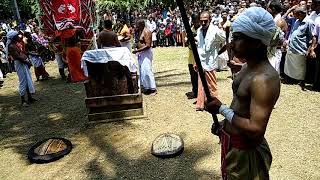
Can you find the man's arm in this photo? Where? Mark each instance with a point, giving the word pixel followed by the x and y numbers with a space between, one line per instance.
pixel 127 36
pixel 313 46
pixel 116 41
pixel 285 16
pixel 99 41
pixel 16 54
pixel 264 94
pixel 314 41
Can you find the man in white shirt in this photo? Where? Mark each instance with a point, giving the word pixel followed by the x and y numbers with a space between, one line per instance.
pixel 152 26
pixel 208 37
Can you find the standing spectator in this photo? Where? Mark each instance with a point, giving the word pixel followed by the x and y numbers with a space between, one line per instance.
pixel 162 38
pixel 314 50
pixel 36 60
pixel 145 57
pixel 22 67
pixel 168 33
pixel 195 17
pixel 206 37
pixel 152 26
pixel 295 64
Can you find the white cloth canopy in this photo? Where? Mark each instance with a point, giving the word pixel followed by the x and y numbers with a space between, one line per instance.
pixel 120 54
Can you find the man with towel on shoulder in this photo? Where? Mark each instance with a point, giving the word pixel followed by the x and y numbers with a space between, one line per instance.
pixel 209 37
pixel 21 64
pixel 245 153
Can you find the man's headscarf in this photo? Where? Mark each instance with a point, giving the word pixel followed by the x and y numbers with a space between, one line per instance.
pixel 10 35
pixel 256 23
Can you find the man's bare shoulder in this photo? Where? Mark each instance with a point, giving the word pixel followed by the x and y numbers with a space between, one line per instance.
pixel 266 83
pixel 268 74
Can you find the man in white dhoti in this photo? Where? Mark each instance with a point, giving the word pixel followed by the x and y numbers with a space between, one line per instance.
pixel 22 65
pixel 295 64
pixel 209 37
pixel 145 57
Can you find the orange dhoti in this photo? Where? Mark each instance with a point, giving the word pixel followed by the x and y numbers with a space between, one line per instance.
pixel 73 55
pixel 213 88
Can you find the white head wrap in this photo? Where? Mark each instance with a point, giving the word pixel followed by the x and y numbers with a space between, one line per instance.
pixel 256 23
pixel 11 34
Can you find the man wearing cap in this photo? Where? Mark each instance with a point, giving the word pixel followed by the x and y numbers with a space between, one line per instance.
pixel 22 65
pixel 245 153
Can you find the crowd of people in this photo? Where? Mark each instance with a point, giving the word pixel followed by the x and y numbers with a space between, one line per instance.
pixel 165 24
pixel 292 51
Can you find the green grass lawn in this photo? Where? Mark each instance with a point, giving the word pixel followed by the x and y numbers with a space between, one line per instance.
pixel 121 150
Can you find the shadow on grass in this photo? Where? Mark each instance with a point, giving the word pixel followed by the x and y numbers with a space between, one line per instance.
pixel 170 75
pixel 147 166
pixel 166 71
pixel 174 84
pixel 59 111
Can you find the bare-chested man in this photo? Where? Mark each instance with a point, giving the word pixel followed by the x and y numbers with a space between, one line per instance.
pixel 21 65
pixel 245 153
pixel 108 38
pixel 145 57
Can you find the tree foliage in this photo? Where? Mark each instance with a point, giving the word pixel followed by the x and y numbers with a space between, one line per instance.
pixel 126 5
pixel 30 8
pixel 27 8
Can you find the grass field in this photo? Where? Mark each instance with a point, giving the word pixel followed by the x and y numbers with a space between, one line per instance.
pixel 121 150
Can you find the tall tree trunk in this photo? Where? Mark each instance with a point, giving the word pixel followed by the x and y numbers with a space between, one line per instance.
pixel 17 10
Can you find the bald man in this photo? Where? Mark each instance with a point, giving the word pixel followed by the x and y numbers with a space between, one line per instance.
pixel 207 47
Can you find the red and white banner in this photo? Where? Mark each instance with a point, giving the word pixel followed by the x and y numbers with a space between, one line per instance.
pixel 66 9
pixel 60 14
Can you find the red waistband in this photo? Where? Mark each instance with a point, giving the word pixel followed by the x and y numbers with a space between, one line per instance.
pixel 241 142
